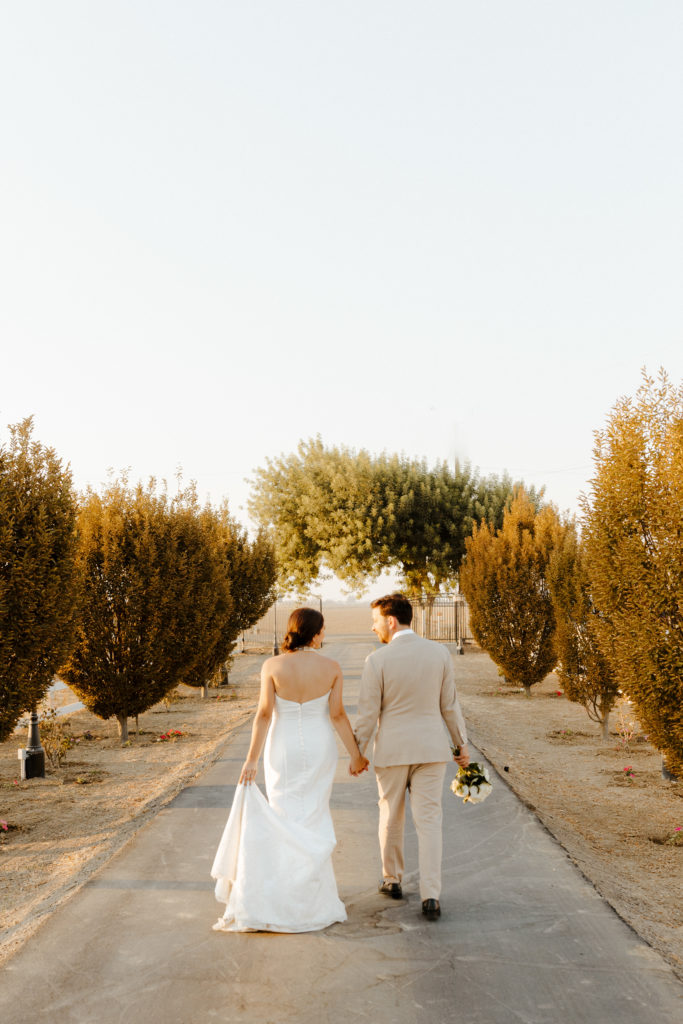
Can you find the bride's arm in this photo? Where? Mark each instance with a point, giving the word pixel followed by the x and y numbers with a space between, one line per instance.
pixel 341 723
pixel 259 730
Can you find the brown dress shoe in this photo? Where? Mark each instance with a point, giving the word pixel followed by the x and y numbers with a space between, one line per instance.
pixel 392 889
pixel 431 909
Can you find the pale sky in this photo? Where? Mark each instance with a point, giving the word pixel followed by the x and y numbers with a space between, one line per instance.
pixel 441 228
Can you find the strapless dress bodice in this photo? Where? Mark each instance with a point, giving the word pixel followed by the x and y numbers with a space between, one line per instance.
pixel 306 709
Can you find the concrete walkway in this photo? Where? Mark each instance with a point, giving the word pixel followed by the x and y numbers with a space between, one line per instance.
pixel 523 937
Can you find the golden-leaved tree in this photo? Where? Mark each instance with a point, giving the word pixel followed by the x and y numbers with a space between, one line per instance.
pixel 633 530
pixel 504 578
pixel 581 633
pixel 38 578
pixel 250 571
pixel 155 598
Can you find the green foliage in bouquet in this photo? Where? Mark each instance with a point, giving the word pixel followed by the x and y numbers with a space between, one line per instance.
pixel 504 578
pixel 473 783
pixel 38 577
pixel 633 536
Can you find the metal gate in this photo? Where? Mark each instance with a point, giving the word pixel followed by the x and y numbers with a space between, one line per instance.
pixel 266 635
pixel 445 618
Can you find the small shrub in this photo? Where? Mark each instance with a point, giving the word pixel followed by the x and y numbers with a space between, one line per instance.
pixel 563 734
pixel 55 736
pixel 172 697
pixel 172 734
pixel 674 838
pixel 626 730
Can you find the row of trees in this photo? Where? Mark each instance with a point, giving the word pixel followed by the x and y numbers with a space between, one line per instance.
pixel 604 606
pixel 602 602
pixel 531 607
pixel 333 509
pixel 126 593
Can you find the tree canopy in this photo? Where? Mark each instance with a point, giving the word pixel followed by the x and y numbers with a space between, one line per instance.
pixel 581 635
pixel 348 512
pixel 246 578
pixel 633 531
pixel 155 598
pixel 38 591
pixel 504 578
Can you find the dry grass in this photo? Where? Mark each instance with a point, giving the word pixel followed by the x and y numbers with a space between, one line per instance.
pixel 618 827
pixel 62 828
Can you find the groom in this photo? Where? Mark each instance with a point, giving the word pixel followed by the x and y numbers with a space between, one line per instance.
pixel 408 692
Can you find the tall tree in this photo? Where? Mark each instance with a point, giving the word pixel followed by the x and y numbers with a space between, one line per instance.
pixel 246 578
pixel 504 578
pixel 38 579
pixel 581 633
pixel 253 575
pixel 151 586
pixel 633 529
pixel 213 634
pixel 335 509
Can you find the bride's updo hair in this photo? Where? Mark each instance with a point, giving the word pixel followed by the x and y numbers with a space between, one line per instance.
pixel 303 625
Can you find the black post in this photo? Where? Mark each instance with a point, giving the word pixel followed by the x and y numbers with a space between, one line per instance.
pixel 34 760
pixel 276 649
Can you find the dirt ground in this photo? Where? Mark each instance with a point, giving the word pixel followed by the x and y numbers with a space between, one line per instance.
pixel 618 827
pixel 61 829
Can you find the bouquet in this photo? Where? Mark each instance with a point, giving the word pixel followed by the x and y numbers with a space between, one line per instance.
pixel 472 783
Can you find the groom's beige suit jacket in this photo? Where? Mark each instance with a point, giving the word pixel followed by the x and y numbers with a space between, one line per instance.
pixel 408 694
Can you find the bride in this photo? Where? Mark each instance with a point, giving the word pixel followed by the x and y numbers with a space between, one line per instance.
pixel 273 866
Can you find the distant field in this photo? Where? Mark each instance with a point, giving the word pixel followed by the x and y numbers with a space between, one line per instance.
pixel 340 620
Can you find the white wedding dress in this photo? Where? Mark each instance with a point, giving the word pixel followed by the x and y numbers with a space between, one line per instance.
pixel 273 866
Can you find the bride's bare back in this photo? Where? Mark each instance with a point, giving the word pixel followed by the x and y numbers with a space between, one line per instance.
pixel 301 675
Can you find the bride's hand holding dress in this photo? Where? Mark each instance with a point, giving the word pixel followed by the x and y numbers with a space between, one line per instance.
pixel 273 866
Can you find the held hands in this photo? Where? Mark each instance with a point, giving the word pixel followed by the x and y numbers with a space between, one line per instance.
pixel 248 773
pixel 358 765
pixel 461 756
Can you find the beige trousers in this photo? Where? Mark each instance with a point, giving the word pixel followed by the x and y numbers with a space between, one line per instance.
pixel 424 782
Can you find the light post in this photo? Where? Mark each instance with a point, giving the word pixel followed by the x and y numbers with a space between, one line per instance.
pixel 276 649
pixel 33 757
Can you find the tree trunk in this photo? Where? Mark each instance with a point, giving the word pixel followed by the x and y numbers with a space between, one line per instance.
pixel 205 689
pixel 605 727
pixel 137 726
pixel 123 727
pixel 527 689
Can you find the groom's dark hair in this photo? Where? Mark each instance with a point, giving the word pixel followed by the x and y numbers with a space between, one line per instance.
pixel 397 605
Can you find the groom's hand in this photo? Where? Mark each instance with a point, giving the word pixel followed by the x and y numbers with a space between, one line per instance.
pixel 463 758
pixel 357 767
